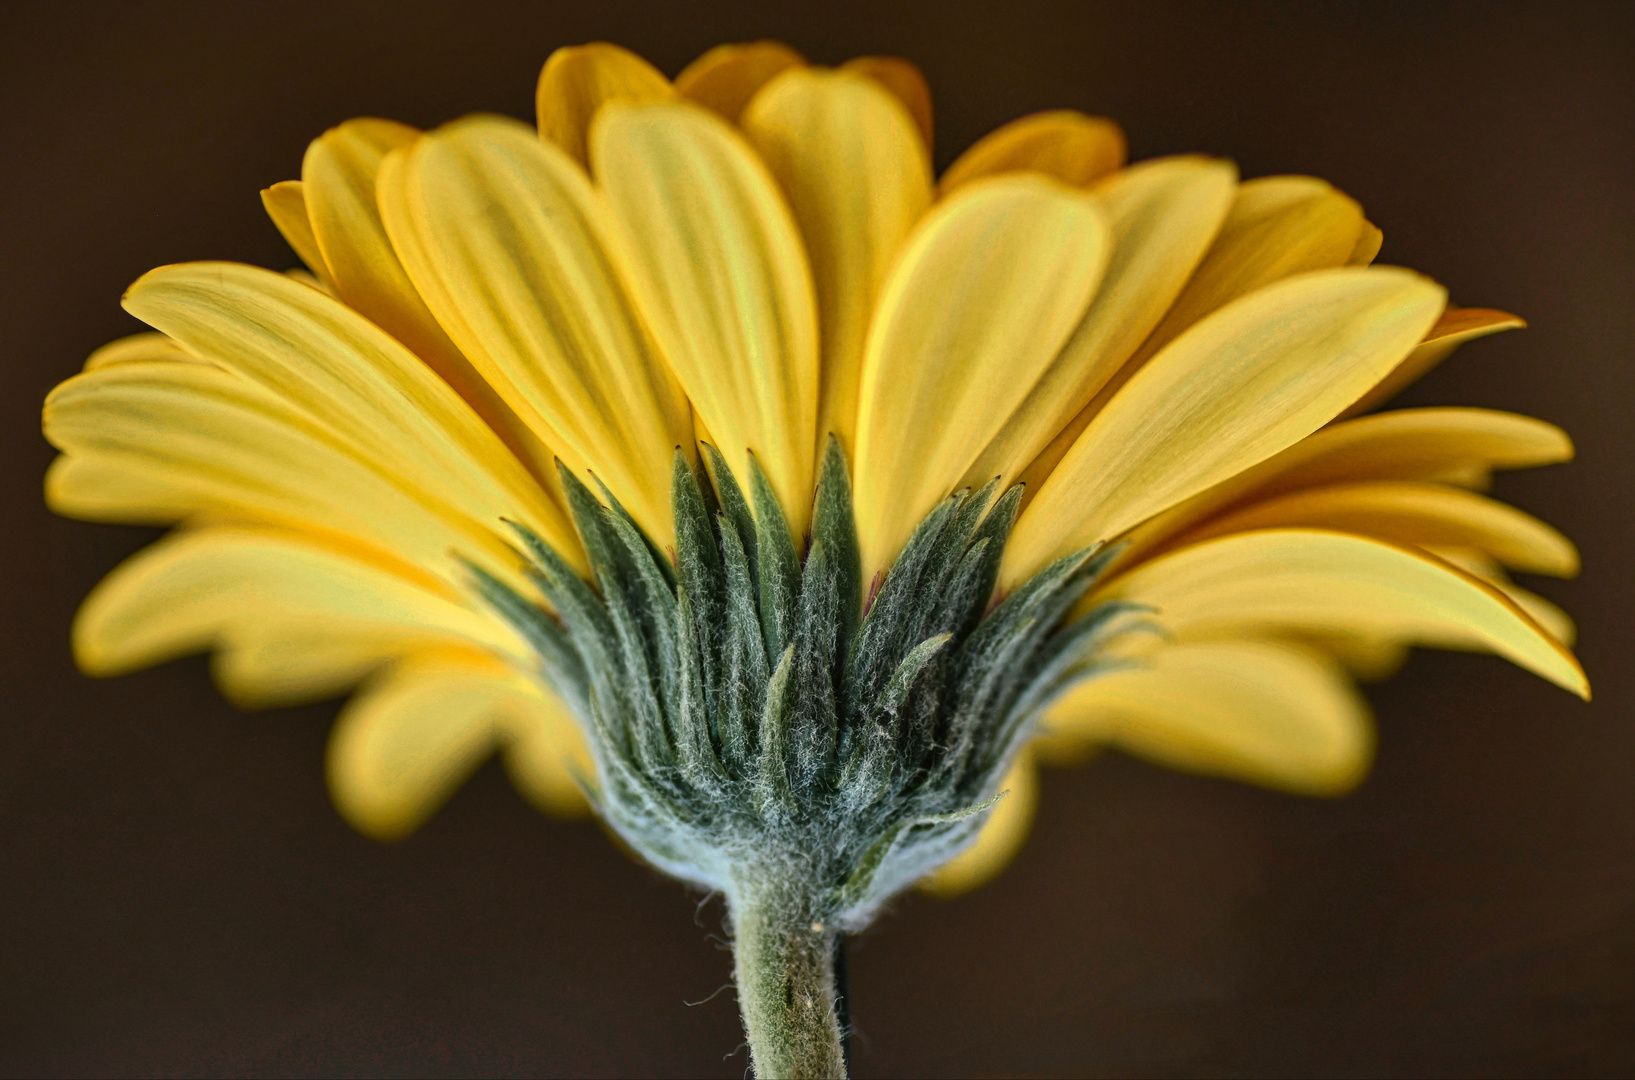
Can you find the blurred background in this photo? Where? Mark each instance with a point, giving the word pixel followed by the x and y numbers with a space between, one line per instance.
pixel 177 895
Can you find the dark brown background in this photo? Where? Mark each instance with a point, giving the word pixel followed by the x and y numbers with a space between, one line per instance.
pixel 177 896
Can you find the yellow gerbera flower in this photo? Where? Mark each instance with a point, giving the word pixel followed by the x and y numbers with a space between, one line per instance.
pixel 681 449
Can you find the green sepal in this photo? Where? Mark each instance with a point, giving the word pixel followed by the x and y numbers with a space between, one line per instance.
pixel 870 751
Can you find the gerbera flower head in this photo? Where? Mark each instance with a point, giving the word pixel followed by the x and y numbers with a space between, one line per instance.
pixel 705 454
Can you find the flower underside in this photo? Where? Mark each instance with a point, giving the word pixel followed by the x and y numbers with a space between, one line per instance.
pixel 753 724
pixel 757 264
pixel 808 629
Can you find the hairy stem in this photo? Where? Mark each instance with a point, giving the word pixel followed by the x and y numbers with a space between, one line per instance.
pixel 784 966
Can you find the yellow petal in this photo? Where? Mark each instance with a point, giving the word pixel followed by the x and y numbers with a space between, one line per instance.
pixel 1444 444
pixel 547 758
pixel 345 374
pixel 145 348
pixel 1249 381
pixel 1482 565
pixel 1369 659
pixel 1453 329
pixel 1269 713
pixel 857 178
pixel 1369 240
pixel 295 668
pixel 286 205
pixel 403 745
pixel 243 589
pixel 339 176
pixel 1299 580
pixel 1001 837
pixel 1161 215
pixel 1277 226
pixel 906 82
pixel 1074 148
pixel 719 269
pixel 1406 512
pixel 981 300
pixel 725 78
pixel 579 79
pixel 156 443
pixel 533 297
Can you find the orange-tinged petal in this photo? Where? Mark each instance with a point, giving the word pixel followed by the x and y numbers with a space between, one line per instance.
pixel 725 78
pixel 1074 148
pixel 579 79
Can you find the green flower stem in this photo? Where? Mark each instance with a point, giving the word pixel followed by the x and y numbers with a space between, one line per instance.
pixel 784 966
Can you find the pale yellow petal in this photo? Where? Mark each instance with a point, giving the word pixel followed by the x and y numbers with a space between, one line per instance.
pixel 243 589
pixel 1310 581
pixel 1249 381
pixel 579 79
pixel 726 77
pixel 286 205
pixel 1162 215
pixel 1483 565
pixel 1001 837
pixel 719 269
pixel 160 442
pixel 534 298
pixel 412 736
pixel 301 665
pixel 1367 658
pixel 1278 226
pixel 145 348
pixel 339 175
pixel 980 302
pixel 1369 241
pixel 1071 147
pixel 1542 611
pixel 347 375
pixel 1453 329
pixel 1408 512
pixel 857 178
pixel 1270 713
pixel 906 82
pixel 547 758
pixel 1451 445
